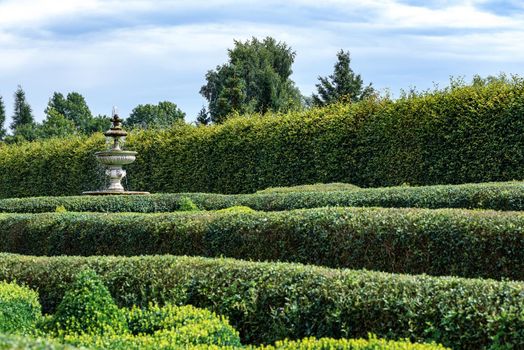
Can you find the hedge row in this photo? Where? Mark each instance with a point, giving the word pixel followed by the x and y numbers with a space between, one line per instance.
pixel 457 135
pixel 436 242
pixel 349 344
pixel 19 309
pixel 9 342
pixel 271 301
pixel 496 196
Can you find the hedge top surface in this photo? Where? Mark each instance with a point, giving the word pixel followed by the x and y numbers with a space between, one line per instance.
pixel 497 196
pixel 469 243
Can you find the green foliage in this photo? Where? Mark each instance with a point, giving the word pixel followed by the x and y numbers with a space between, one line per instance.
pixel 237 209
pixel 270 301
pixel 351 344
pixel 455 135
pixel 87 308
pixel 11 342
pixel 186 204
pixel 20 309
pixel 66 116
pixel 73 108
pixel 22 114
pixel 88 316
pixel 312 188
pixel 162 115
pixel 24 133
pixel 437 242
pixel 56 125
pixel 60 209
pixel 342 85
pixel 2 119
pixel 192 325
pixel 496 196
pixel 256 79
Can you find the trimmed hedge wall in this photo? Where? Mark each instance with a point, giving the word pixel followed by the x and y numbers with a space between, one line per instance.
pixel 496 196
pixel 271 301
pixel 457 135
pixel 436 242
pixel 19 308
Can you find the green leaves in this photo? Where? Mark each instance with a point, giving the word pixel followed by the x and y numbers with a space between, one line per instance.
pixel 20 309
pixel 87 308
pixel 270 301
pixel 437 242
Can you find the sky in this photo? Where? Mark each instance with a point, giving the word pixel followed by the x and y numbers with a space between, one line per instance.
pixel 124 53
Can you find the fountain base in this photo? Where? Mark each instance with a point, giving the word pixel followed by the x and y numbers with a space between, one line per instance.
pixel 111 193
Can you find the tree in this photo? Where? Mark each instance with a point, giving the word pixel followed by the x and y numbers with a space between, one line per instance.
pixel 56 125
pixel 2 119
pixel 342 84
pixel 203 117
pixel 22 111
pixel 255 79
pixel 73 108
pixel 162 115
pixel 100 123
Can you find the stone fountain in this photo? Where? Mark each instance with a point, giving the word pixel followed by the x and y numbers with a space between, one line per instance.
pixel 114 158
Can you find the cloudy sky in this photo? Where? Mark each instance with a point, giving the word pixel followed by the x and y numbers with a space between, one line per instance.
pixel 125 53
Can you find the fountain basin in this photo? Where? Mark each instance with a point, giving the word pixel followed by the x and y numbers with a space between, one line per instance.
pixel 114 157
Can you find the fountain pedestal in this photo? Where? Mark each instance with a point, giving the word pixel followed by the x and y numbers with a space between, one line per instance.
pixel 113 159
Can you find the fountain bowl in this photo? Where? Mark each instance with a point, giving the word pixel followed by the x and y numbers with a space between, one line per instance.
pixel 114 157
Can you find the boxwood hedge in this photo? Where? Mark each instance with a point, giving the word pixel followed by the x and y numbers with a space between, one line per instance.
pixel 496 196
pixel 271 301
pixel 20 309
pixel 438 242
pixel 456 135
pixel 10 342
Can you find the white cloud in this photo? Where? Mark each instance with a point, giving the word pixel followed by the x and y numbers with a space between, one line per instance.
pixel 144 61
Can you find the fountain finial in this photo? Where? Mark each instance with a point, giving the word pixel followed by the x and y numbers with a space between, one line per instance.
pixel 116 130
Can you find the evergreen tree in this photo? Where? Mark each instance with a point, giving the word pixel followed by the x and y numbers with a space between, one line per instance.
pixel 22 111
pixel 2 119
pixel 342 84
pixel 255 79
pixel 203 117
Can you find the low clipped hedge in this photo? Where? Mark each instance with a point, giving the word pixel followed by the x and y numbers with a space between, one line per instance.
pixel 10 342
pixel 272 301
pixel 20 309
pixel 349 344
pixel 496 196
pixel 88 316
pixel 437 242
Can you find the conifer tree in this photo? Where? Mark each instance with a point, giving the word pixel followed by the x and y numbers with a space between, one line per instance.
pixel 343 84
pixel 22 113
pixel 2 119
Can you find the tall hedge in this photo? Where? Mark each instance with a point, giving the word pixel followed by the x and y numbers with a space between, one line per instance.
pixel 268 301
pixel 456 135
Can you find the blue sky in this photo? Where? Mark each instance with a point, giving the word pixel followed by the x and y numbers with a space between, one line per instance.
pixel 126 53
